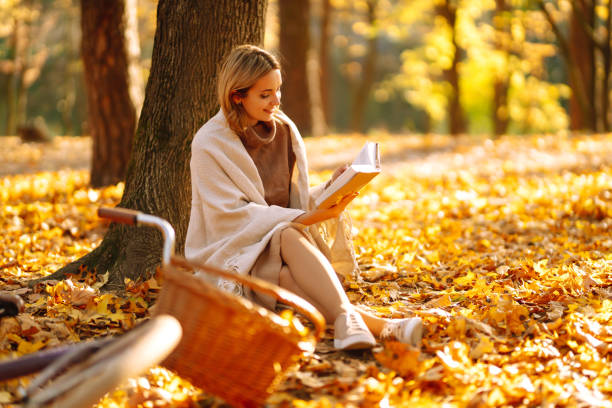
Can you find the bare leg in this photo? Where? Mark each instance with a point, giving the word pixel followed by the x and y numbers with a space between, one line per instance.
pixel 310 275
pixel 311 272
pixel 286 281
pixel 374 323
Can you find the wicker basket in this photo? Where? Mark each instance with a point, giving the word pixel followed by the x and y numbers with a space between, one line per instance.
pixel 232 347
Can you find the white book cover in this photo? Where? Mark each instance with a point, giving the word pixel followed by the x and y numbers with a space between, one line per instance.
pixel 364 168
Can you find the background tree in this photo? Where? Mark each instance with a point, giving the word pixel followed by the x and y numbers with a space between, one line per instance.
pixel 585 46
pixel 28 24
pixel 368 69
pixel 190 39
pixel 501 85
pixel 294 46
pixel 324 57
pixel 447 9
pixel 112 114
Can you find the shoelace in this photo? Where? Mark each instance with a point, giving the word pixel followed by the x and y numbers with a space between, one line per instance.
pixel 393 329
pixel 353 323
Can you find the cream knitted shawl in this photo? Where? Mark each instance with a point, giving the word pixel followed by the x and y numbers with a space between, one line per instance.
pixel 230 222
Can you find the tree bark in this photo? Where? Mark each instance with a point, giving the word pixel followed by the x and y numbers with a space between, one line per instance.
pixel 369 73
pixel 457 124
pixel 12 78
pixel 500 85
pixel 112 116
pixel 581 104
pixel 132 41
pixel 190 40
pixel 294 43
pixel 607 65
pixel 583 116
pixel 324 56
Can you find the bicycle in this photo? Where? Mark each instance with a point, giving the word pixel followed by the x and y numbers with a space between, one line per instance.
pixel 224 344
pixel 79 375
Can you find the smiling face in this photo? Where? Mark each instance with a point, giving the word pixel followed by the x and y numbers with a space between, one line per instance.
pixel 262 98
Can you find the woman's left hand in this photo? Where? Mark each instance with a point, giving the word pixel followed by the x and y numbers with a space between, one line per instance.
pixel 336 174
pixel 322 214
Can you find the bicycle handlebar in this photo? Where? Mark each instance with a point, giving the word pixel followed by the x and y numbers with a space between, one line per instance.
pixel 121 215
pixel 133 217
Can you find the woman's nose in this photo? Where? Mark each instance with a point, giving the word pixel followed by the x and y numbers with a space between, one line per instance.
pixel 276 98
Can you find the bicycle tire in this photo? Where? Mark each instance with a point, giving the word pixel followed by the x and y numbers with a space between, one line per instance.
pixel 127 356
pixel 40 360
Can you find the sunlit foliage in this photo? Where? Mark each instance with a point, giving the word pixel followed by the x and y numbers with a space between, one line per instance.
pixel 502 247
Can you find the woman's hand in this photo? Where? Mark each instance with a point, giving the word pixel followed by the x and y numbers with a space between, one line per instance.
pixel 322 214
pixel 336 174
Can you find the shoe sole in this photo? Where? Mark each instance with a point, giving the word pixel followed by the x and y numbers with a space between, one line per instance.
pixel 361 342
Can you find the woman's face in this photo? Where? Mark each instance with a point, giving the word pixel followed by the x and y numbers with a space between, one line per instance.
pixel 263 97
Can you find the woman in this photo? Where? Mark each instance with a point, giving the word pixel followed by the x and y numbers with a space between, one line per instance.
pixel 252 207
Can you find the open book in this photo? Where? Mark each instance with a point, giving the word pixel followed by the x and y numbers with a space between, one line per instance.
pixel 363 169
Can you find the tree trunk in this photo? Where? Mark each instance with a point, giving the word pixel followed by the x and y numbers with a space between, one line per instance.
pixel 369 73
pixel 583 115
pixel 605 78
pixel 294 43
pixel 457 125
pixel 112 116
pixel 190 40
pixel 12 79
pixel 324 56
pixel 500 85
pixel 132 42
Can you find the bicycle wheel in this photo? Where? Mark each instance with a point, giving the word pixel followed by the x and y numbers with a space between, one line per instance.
pixel 127 356
pixel 42 360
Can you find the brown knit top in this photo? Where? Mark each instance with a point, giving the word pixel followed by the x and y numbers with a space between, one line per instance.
pixel 269 145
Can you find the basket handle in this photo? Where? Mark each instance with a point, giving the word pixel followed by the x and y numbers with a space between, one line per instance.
pixel 260 285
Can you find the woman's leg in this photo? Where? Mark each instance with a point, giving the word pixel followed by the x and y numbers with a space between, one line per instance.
pixel 374 323
pixel 311 275
pixel 286 281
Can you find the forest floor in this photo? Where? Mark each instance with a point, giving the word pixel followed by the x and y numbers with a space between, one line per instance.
pixel 503 247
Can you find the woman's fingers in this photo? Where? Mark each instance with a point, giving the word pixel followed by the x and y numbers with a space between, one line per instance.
pixel 339 171
pixel 345 201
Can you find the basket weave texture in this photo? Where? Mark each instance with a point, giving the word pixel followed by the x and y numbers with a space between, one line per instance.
pixel 230 347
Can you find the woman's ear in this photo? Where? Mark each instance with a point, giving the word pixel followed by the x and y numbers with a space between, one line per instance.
pixel 236 99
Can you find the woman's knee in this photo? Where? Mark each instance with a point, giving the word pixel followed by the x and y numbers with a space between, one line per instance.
pixel 289 236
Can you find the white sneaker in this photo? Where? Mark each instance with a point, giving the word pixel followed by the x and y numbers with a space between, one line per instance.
pixel 351 332
pixel 409 330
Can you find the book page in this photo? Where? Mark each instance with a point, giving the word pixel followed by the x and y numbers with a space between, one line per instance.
pixel 364 168
pixel 368 155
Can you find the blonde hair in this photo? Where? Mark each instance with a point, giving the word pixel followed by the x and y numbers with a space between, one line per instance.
pixel 240 69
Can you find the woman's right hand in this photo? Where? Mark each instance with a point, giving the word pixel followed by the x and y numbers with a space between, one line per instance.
pixel 322 214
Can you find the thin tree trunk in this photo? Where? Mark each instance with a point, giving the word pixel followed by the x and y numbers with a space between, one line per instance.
pixel 12 78
pixel 580 104
pixel 582 50
pixel 456 118
pixel 21 101
pixel 313 72
pixel 605 79
pixel 112 116
pixel 369 73
pixel 501 86
pixel 324 56
pixel 294 43
pixel 190 39
pixel 132 45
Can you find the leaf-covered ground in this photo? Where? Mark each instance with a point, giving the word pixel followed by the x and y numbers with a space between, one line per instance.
pixel 503 247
